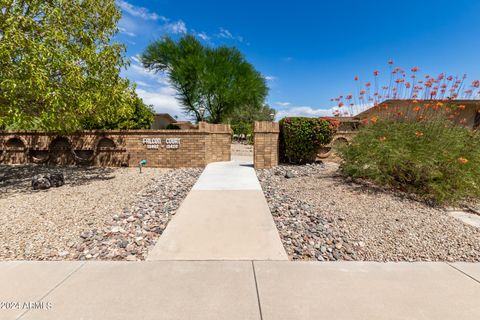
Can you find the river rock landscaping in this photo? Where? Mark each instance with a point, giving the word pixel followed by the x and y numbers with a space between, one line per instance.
pixel 322 216
pixel 100 213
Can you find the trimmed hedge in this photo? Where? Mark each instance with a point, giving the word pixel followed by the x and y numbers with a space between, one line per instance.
pixel 301 138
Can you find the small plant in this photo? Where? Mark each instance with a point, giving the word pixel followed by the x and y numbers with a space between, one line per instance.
pixel 435 160
pixel 301 138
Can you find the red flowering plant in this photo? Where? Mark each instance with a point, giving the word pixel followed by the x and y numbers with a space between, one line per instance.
pixel 405 86
pixel 416 142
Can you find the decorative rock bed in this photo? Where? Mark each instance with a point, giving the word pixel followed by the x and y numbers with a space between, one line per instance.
pixel 320 216
pixel 100 213
pixel 131 233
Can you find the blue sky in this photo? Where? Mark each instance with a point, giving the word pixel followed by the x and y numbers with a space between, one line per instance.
pixel 309 51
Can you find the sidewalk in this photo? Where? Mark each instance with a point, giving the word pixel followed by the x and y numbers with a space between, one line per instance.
pixel 224 217
pixel 267 290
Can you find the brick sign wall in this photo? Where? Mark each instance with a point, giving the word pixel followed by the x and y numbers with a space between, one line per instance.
pixel 161 148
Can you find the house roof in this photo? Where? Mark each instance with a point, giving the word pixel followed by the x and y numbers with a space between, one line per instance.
pixel 165 115
pixel 467 103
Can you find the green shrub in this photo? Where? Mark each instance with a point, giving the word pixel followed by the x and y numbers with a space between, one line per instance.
pixel 301 138
pixel 437 161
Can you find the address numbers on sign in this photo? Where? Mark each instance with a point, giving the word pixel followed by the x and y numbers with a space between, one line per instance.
pixel 157 143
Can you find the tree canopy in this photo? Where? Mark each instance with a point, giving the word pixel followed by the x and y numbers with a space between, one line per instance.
pixel 58 66
pixel 218 80
pixel 242 119
pixel 141 118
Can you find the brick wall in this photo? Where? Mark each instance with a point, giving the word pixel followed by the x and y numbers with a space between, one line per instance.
pixel 266 144
pixel 161 148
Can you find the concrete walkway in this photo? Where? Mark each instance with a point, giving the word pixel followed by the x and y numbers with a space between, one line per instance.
pixel 224 217
pixel 260 290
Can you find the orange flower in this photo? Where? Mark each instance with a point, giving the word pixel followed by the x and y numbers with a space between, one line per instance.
pixel 439 104
pixel 374 119
pixel 414 101
pixel 461 107
pixel 382 138
pixel 416 109
pixel 419 134
pixel 462 160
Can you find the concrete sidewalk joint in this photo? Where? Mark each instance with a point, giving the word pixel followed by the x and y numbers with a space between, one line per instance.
pixel 55 287
pixel 256 288
pixel 469 269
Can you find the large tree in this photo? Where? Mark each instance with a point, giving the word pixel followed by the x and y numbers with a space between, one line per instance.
pixel 218 80
pixel 242 119
pixel 58 65
pixel 141 118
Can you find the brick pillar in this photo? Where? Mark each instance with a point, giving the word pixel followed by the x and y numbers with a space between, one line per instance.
pixel 266 143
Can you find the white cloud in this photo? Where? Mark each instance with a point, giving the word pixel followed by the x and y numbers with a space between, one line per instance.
pixel 139 70
pixel 304 111
pixel 125 31
pixel 225 34
pixel 136 58
pixel 176 27
pixel 162 99
pixel 154 88
pixel 130 25
pixel 203 36
pixel 143 84
pixel 289 110
pixel 140 12
pixel 270 78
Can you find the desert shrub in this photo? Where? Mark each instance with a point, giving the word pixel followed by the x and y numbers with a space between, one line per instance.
pixel 437 161
pixel 301 138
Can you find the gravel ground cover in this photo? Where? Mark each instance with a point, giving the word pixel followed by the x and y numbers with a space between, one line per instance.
pixel 321 216
pixel 100 213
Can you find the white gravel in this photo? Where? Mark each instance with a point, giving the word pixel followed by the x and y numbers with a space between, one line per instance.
pixel 40 225
pixel 320 216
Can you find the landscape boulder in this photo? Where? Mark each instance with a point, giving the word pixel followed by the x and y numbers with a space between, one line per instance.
pixel 289 174
pixel 46 181
pixel 56 179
